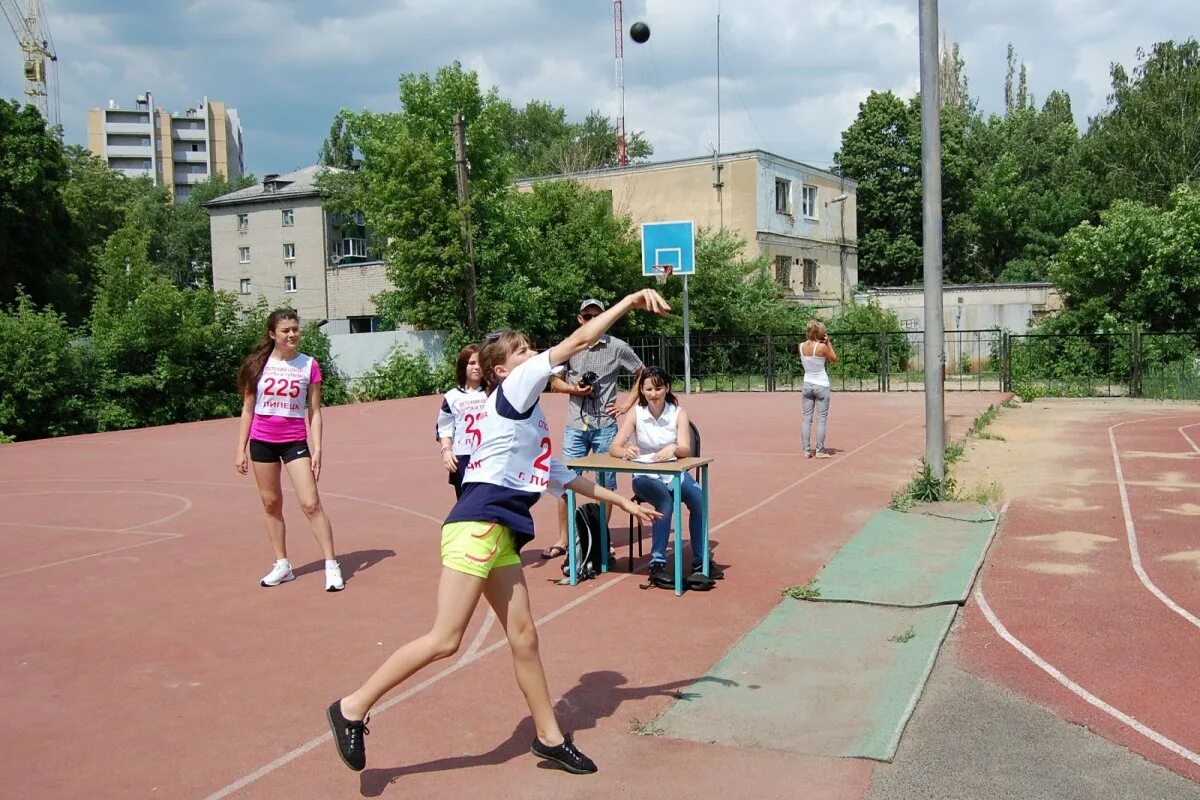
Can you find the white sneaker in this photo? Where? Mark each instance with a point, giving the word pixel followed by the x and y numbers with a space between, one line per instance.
pixel 280 573
pixel 333 578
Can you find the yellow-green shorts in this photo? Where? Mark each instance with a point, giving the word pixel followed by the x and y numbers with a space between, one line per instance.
pixel 477 548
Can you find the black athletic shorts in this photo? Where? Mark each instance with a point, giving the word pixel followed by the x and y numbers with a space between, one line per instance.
pixel 274 452
pixel 457 476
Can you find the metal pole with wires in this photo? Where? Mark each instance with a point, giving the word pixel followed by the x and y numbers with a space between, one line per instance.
pixel 931 182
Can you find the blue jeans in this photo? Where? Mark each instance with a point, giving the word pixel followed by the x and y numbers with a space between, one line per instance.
pixel 659 495
pixel 579 443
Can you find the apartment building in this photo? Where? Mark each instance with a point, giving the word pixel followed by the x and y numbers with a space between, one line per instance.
pixel 800 217
pixel 276 240
pixel 175 149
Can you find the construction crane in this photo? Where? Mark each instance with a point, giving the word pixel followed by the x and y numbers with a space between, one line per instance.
pixel 40 60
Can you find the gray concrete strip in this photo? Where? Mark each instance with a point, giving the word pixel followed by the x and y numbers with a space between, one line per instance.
pixel 972 740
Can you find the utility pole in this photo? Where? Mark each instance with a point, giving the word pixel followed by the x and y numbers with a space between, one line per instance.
pixel 931 182
pixel 464 207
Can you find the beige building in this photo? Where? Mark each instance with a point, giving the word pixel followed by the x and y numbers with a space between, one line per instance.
pixel 176 150
pixel 803 219
pixel 276 240
pixel 972 307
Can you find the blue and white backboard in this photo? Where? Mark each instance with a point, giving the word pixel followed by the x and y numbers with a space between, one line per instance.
pixel 670 244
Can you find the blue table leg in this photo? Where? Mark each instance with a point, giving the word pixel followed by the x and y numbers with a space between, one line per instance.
pixel 704 518
pixel 571 538
pixel 678 521
pixel 603 533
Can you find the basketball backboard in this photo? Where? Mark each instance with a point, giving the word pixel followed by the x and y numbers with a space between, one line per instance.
pixel 668 245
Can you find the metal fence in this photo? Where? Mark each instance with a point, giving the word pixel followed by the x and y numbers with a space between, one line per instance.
pixel 1134 364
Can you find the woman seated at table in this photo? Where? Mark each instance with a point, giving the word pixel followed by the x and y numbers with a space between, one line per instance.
pixel 657 430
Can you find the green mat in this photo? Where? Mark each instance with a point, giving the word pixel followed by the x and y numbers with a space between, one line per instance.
pixel 910 560
pixel 816 679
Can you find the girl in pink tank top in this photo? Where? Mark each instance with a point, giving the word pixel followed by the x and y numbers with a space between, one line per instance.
pixel 281 425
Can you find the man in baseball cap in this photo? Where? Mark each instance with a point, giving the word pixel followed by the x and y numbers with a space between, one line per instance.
pixel 593 408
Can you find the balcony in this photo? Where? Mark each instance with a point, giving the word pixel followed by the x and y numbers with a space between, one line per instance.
pixel 188 157
pixel 135 128
pixel 189 134
pixel 128 151
pixel 188 178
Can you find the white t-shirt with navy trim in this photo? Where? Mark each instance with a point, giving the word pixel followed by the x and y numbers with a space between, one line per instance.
pixel 513 463
pixel 457 419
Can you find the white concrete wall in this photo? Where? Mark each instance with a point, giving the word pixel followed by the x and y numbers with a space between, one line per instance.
pixel 1013 307
pixel 356 354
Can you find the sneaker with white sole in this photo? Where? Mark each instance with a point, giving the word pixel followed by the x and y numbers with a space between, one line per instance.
pixel 333 577
pixel 280 573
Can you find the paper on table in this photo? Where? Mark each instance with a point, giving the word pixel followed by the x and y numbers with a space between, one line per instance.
pixel 648 458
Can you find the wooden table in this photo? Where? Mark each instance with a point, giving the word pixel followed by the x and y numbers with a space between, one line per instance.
pixel 598 462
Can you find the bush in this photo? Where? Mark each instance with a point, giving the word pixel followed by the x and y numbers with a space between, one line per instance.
pixel 402 375
pixel 42 374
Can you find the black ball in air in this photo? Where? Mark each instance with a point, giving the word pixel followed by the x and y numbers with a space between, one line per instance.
pixel 639 32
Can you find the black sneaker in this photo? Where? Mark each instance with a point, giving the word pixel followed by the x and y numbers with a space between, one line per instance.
pixel 714 571
pixel 566 755
pixel 348 737
pixel 657 567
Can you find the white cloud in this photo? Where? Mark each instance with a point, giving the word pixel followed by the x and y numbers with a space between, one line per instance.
pixel 793 73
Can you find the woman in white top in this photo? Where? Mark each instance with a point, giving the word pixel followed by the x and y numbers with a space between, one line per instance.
pixel 459 417
pixel 815 351
pixel 657 429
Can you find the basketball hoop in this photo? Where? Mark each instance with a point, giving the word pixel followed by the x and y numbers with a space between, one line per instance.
pixel 663 270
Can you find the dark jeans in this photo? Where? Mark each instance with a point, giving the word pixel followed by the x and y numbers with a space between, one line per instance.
pixel 659 495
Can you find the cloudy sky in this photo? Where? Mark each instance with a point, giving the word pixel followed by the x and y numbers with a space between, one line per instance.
pixel 793 73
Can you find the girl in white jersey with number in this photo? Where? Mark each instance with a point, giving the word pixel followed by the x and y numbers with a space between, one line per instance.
pixel 486 529
pixel 280 389
pixel 457 429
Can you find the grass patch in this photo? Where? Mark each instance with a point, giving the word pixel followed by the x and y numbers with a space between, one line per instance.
pixel 988 494
pixel 983 421
pixel 647 728
pixel 903 638
pixel 808 591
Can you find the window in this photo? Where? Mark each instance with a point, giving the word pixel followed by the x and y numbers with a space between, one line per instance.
pixel 809 201
pixel 289 252
pixel 289 283
pixel 195 148
pixel 243 255
pixel 810 275
pixel 289 218
pixel 783 270
pixel 244 286
pixel 243 222
pixel 783 196
pixel 364 324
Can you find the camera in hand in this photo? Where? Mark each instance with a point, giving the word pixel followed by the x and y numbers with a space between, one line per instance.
pixel 587 379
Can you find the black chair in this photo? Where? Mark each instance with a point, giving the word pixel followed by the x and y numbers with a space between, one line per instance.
pixel 695 453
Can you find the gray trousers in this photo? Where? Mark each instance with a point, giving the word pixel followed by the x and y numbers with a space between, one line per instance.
pixel 817 396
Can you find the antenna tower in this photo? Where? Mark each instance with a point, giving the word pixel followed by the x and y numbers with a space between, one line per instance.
pixel 619 52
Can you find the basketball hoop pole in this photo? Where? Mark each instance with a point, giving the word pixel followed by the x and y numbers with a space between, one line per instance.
pixel 687 349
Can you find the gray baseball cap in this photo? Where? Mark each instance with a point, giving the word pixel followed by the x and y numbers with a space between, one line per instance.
pixel 591 301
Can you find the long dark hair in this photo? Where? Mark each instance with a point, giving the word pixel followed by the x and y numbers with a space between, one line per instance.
pixel 658 375
pixel 252 365
pixel 460 366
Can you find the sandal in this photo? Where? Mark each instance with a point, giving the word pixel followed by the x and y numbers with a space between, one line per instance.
pixel 554 552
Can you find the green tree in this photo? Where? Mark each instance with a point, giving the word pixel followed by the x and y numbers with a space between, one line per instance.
pixel 42 373
pixel 338 148
pixel 184 242
pixel 1145 143
pixel 1139 267
pixel 882 151
pixel 1031 188
pixel 35 227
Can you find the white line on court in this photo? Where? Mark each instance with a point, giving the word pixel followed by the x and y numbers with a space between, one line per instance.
pixel 485 628
pixel 164 538
pixel 832 462
pixel 187 504
pixel 1189 439
pixel 1075 688
pixel 83 528
pixel 1135 557
pixel 312 744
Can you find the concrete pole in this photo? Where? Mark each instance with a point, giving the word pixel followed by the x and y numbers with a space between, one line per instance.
pixel 931 181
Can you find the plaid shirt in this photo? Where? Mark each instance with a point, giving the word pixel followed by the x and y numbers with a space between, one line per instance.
pixel 608 358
